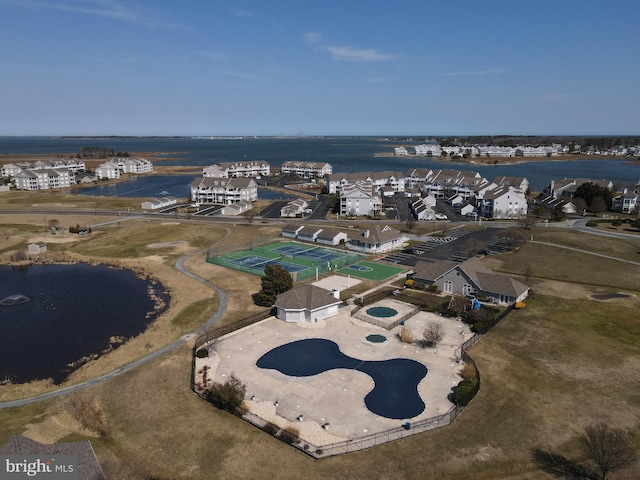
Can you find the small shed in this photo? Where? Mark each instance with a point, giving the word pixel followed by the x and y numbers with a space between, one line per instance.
pixel 37 248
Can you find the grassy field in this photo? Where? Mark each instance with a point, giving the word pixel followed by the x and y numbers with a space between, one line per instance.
pixel 563 362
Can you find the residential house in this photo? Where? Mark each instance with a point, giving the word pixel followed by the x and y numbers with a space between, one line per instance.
pixel 88 467
pixel 563 204
pixel 625 203
pixel 360 198
pixel 306 169
pixel 210 190
pixel 422 210
pixel 294 208
pixel 307 303
pixel 470 277
pixel 567 187
pixel 376 239
pixel 519 183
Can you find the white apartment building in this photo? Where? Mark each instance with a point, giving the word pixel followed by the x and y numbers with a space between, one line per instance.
pixel 306 169
pixel 252 168
pixel 503 202
pixel 44 179
pixel 210 190
pixel 360 198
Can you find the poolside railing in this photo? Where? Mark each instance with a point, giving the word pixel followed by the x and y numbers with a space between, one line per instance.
pixel 352 444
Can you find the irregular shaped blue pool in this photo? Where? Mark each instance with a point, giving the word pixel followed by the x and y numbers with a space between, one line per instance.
pixel 395 393
pixel 382 312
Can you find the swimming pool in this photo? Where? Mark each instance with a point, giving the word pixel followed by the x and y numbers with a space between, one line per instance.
pixel 395 393
pixel 382 312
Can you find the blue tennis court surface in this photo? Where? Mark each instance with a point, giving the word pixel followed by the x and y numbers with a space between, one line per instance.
pixel 258 263
pixel 312 253
pixel 395 394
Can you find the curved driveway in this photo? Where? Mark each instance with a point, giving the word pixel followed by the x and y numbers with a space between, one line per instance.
pixel 80 386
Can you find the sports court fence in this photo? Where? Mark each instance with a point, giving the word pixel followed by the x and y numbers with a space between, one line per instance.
pixel 379 323
pixel 300 267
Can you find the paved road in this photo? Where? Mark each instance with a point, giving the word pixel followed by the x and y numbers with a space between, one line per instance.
pixel 81 386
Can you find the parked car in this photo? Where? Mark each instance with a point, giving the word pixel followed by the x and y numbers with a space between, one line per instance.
pixel 441 216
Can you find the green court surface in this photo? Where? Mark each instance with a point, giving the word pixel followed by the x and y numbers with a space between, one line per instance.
pixel 371 271
pixel 303 261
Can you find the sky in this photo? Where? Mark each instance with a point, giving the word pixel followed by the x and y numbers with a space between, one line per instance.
pixel 302 67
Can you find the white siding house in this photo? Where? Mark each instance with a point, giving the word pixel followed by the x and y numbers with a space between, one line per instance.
pixel 307 303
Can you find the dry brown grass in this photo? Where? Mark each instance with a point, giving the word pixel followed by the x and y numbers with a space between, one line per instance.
pixel 548 370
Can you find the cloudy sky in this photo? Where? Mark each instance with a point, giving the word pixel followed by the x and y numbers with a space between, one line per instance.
pixel 292 67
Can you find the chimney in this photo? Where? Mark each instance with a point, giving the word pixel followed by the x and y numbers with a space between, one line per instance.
pixel 366 233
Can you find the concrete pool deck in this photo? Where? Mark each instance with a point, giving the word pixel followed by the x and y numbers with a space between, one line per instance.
pixel 336 396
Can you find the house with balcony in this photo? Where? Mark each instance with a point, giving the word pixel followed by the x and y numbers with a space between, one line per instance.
pixel 627 202
pixel 502 203
pixel 306 169
pixel 360 198
pixel 210 190
pixel 246 169
pixel 44 179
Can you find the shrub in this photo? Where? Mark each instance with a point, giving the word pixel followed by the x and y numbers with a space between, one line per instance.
pixel 89 414
pixel 202 353
pixel 464 392
pixel 469 372
pixel 289 435
pixel 592 223
pixel 405 335
pixel 228 395
pixel 271 428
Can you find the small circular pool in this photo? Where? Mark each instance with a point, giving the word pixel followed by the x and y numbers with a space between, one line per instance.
pixel 376 338
pixel 382 312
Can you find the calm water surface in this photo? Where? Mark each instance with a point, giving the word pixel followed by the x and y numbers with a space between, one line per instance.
pixel 74 312
pixel 345 154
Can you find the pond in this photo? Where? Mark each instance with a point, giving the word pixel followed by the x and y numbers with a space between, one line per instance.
pixel 68 315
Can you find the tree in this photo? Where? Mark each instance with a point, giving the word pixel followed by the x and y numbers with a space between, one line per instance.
pixel 617 222
pixel 636 224
pixel 434 333
pixel 606 449
pixel 527 272
pixel 513 237
pixel 473 246
pixel 598 205
pixel 54 224
pixel 411 222
pixel 528 221
pixel 275 281
pixel 228 395
pixel 589 191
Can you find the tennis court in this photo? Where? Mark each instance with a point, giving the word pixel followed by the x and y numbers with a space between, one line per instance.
pixel 371 271
pixel 302 261
pixel 254 262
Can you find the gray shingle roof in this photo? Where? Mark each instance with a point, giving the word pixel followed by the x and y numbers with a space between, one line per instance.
pixel 88 466
pixel 308 297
